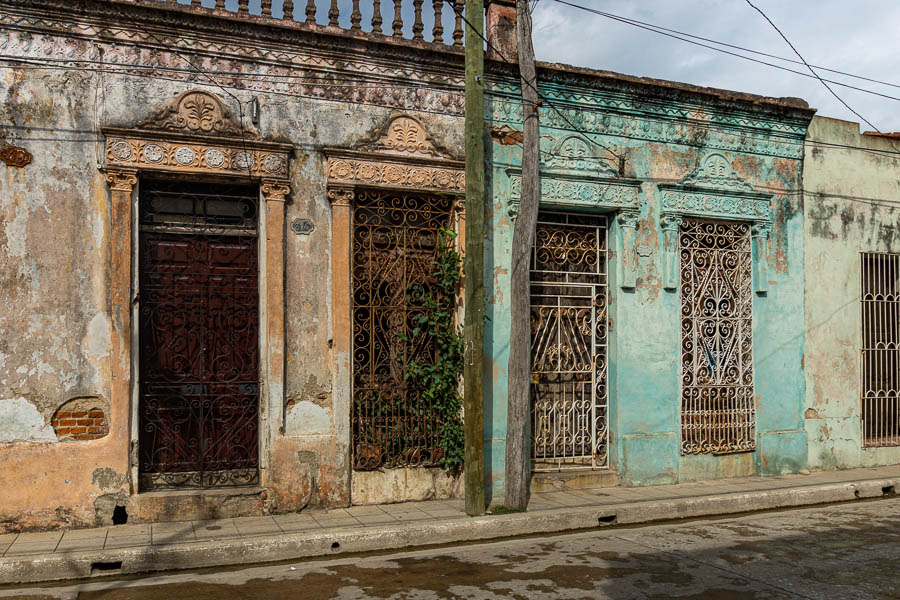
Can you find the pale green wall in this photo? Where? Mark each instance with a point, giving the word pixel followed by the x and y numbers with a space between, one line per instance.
pixel 666 131
pixel 851 206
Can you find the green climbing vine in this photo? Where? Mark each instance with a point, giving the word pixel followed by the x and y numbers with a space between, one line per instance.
pixel 437 383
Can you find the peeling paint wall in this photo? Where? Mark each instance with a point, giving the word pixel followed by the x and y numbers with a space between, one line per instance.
pixel 666 131
pixel 55 325
pixel 850 205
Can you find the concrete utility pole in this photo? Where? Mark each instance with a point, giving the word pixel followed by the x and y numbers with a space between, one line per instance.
pixel 518 459
pixel 473 331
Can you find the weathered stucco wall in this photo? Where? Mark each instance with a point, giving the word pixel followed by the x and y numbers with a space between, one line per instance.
pixel 850 205
pixel 666 132
pixel 55 332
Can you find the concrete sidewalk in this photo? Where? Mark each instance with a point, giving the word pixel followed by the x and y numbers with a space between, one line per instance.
pixel 33 557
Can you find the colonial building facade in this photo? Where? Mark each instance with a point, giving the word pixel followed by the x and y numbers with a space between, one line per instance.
pixel 219 231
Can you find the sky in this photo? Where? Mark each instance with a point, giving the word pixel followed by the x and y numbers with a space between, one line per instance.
pixel 860 37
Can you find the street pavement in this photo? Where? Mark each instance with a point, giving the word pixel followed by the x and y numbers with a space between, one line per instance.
pixel 830 552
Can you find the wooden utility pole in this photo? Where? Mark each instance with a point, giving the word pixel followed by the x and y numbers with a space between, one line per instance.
pixel 518 459
pixel 473 331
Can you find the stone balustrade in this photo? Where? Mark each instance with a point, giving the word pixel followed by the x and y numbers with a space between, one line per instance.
pixel 410 18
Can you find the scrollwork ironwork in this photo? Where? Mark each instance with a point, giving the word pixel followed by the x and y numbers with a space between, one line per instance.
pixel 394 241
pixel 570 427
pixel 199 334
pixel 718 413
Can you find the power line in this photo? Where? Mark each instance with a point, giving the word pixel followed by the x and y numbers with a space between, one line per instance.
pixel 721 50
pixel 498 95
pixel 542 98
pixel 631 21
pixel 811 70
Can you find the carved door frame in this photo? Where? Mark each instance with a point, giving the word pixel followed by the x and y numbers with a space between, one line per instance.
pixel 195 136
pixel 402 157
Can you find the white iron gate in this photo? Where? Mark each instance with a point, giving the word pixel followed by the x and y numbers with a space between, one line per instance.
pixel 569 417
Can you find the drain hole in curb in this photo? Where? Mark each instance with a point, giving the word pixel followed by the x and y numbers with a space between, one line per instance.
pixel 856 493
pixel 607 520
pixel 106 566
pixel 213 527
pixel 120 515
pixel 335 545
pixel 888 490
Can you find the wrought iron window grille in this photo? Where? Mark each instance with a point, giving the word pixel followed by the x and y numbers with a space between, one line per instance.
pixel 394 241
pixel 569 415
pixel 718 412
pixel 198 320
pixel 880 349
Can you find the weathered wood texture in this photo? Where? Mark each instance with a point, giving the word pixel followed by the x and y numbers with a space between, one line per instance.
pixel 474 263
pixel 518 463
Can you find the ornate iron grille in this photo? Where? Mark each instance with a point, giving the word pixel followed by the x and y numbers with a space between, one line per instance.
pixel 199 335
pixel 718 414
pixel 880 364
pixel 395 237
pixel 569 416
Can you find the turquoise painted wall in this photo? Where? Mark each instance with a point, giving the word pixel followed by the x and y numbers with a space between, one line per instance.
pixel 666 131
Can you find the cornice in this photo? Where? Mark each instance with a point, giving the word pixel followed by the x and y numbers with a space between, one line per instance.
pixel 260 38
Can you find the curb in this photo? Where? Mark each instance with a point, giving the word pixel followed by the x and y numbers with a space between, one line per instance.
pixel 192 555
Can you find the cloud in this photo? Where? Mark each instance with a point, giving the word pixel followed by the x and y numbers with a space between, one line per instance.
pixel 858 37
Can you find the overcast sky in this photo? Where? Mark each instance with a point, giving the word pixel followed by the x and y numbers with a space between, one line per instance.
pixel 861 37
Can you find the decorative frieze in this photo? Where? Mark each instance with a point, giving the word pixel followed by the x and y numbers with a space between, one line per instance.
pixel 721 132
pixel 384 173
pixel 402 156
pixel 196 133
pixel 714 190
pixel 595 193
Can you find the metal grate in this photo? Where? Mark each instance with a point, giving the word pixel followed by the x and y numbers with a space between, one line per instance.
pixel 880 364
pixel 718 413
pixel 569 416
pixel 395 237
pixel 199 335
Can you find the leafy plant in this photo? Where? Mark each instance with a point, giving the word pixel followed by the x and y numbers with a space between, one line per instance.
pixel 437 382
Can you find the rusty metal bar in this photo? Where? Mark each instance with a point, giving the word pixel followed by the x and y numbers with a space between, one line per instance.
pixel 880 349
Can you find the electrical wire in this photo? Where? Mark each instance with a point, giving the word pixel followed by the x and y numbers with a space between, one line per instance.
pixel 629 20
pixel 811 70
pixel 751 59
pixel 541 97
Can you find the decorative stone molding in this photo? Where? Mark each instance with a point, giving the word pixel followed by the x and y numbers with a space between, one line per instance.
pixel 572 192
pixel 198 113
pixel 628 224
pixel 122 180
pixel 405 136
pixel 759 231
pixel 340 196
pixel 573 153
pixel 14 156
pixel 671 223
pixel 713 190
pixel 274 191
pixel 403 156
pixel 195 133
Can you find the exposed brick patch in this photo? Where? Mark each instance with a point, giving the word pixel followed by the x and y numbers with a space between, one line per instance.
pixel 80 424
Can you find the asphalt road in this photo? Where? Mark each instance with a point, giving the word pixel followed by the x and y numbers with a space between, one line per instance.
pixel 830 552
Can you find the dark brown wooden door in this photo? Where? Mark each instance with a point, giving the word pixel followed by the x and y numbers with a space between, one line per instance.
pixel 199 344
